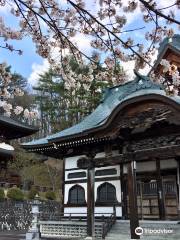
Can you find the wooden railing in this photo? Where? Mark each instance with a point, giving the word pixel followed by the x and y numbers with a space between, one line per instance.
pixel 99 217
pixel 108 223
pixel 150 188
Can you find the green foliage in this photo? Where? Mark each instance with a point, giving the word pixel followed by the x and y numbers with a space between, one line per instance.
pixel 22 160
pixel 32 193
pixel 61 108
pixel 50 195
pixel 18 81
pixel 2 195
pixel 32 168
pixel 15 194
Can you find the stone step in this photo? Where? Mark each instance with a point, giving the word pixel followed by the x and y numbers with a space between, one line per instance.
pixel 11 236
pixel 121 231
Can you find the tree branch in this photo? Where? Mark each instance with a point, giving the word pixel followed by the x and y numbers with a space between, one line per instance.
pixel 148 6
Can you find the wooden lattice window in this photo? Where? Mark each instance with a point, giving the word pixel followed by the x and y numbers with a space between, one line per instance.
pixel 104 172
pixel 76 195
pixel 77 175
pixel 106 193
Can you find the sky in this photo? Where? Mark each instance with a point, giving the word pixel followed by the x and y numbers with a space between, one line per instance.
pixel 30 64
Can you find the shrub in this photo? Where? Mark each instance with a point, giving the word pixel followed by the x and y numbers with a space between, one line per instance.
pixel 2 195
pixel 15 193
pixel 50 195
pixel 32 193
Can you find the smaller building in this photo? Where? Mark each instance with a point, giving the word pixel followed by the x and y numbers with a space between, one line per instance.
pixel 10 129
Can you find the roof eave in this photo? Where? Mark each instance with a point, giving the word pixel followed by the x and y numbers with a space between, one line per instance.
pixel 161 54
pixel 87 132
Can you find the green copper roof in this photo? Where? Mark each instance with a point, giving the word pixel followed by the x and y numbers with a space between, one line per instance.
pixel 173 42
pixel 112 98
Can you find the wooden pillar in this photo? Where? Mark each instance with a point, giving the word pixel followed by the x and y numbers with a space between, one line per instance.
pixel 123 193
pixel 90 203
pixel 178 186
pixel 160 192
pixel 87 163
pixel 63 186
pixel 132 193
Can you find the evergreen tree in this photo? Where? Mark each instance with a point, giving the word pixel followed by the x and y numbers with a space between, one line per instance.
pixel 62 106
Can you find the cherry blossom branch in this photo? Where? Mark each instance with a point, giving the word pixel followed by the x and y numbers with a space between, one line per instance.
pixel 108 30
pixel 170 6
pixel 132 30
pixel 54 27
pixel 151 8
pixel 10 48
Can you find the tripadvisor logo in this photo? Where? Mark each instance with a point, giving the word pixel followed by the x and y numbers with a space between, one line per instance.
pixel 139 231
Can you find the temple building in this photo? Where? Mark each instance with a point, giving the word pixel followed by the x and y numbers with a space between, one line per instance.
pixel 125 154
pixel 10 129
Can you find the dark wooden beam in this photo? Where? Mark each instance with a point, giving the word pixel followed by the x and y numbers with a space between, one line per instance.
pixel 63 185
pixel 90 203
pixel 132 194
pixel 178 185
pixel 164 152
pixel 88 163
pixel 123 185
pixel 160 192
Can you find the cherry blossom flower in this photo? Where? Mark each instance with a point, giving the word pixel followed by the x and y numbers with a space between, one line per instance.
pixel 7 93
pixel 18 110
pixel 26 113
pixel 166 65
pixel 53 24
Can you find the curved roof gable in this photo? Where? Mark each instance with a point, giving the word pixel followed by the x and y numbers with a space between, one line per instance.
pixel 112 98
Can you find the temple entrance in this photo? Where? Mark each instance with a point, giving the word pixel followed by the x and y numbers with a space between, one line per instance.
pixel 148 201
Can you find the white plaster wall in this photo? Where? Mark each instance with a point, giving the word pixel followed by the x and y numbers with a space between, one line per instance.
pixel 151 165
pixel 116 183
pixel 117 167
pixel 109 167
pixel 168 163
pixel 146 166
pixel 76 211
pixel 82 170
pixel 124 168
pixel 70 179
pixel 71 162
pixel 142 166
pixel 99 211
